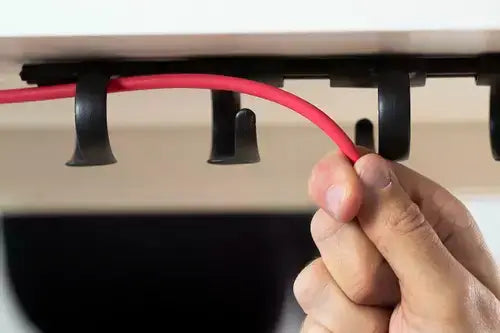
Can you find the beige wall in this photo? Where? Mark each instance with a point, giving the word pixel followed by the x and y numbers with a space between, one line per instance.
pixel 166 169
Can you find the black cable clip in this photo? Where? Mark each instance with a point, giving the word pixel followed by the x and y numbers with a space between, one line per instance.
pixel 364 134
pixel 234 133
pixel 494 119
pixel 394 117
pixel 489 75
pixel 92 146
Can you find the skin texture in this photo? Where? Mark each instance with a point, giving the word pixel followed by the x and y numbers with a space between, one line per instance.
pixel 399 254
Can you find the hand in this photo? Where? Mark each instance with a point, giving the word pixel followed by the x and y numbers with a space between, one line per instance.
pixel 413 259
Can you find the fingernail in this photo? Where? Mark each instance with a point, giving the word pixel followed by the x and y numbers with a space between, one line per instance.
pixel 334 197
pixel 376 175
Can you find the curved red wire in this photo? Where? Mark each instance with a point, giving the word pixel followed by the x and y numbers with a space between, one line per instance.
pixel 199 81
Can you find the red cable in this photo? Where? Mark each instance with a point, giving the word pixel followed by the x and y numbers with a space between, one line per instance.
pixel 198 81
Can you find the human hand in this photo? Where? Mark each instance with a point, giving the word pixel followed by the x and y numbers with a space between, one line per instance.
pixel 414 259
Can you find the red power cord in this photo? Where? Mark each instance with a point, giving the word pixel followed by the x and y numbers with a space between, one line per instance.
pixel 198 81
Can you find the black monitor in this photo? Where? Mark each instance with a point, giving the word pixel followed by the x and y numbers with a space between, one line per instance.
pixel 158 273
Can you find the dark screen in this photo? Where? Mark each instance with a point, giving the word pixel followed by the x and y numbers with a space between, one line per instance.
pixel 158 273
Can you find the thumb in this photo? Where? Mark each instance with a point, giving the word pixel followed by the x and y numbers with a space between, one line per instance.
pixel 395 224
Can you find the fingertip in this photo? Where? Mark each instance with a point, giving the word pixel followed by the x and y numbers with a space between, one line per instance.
pixel 320 174
pixel 335 187
pixel 374 171
pixel 368 160
pixel 349 203
pixel 352 202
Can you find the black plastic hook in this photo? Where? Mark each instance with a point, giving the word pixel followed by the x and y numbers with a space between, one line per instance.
pixel 364 134
pixel 92 146
pixel 394 116
pixel 494 120
pixel 234 133
pixel 489 75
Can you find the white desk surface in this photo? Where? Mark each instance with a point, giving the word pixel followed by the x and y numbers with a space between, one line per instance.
pixel 33 30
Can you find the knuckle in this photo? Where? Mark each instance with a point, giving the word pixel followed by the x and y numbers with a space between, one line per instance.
pixel 310 284
pixel 407 220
